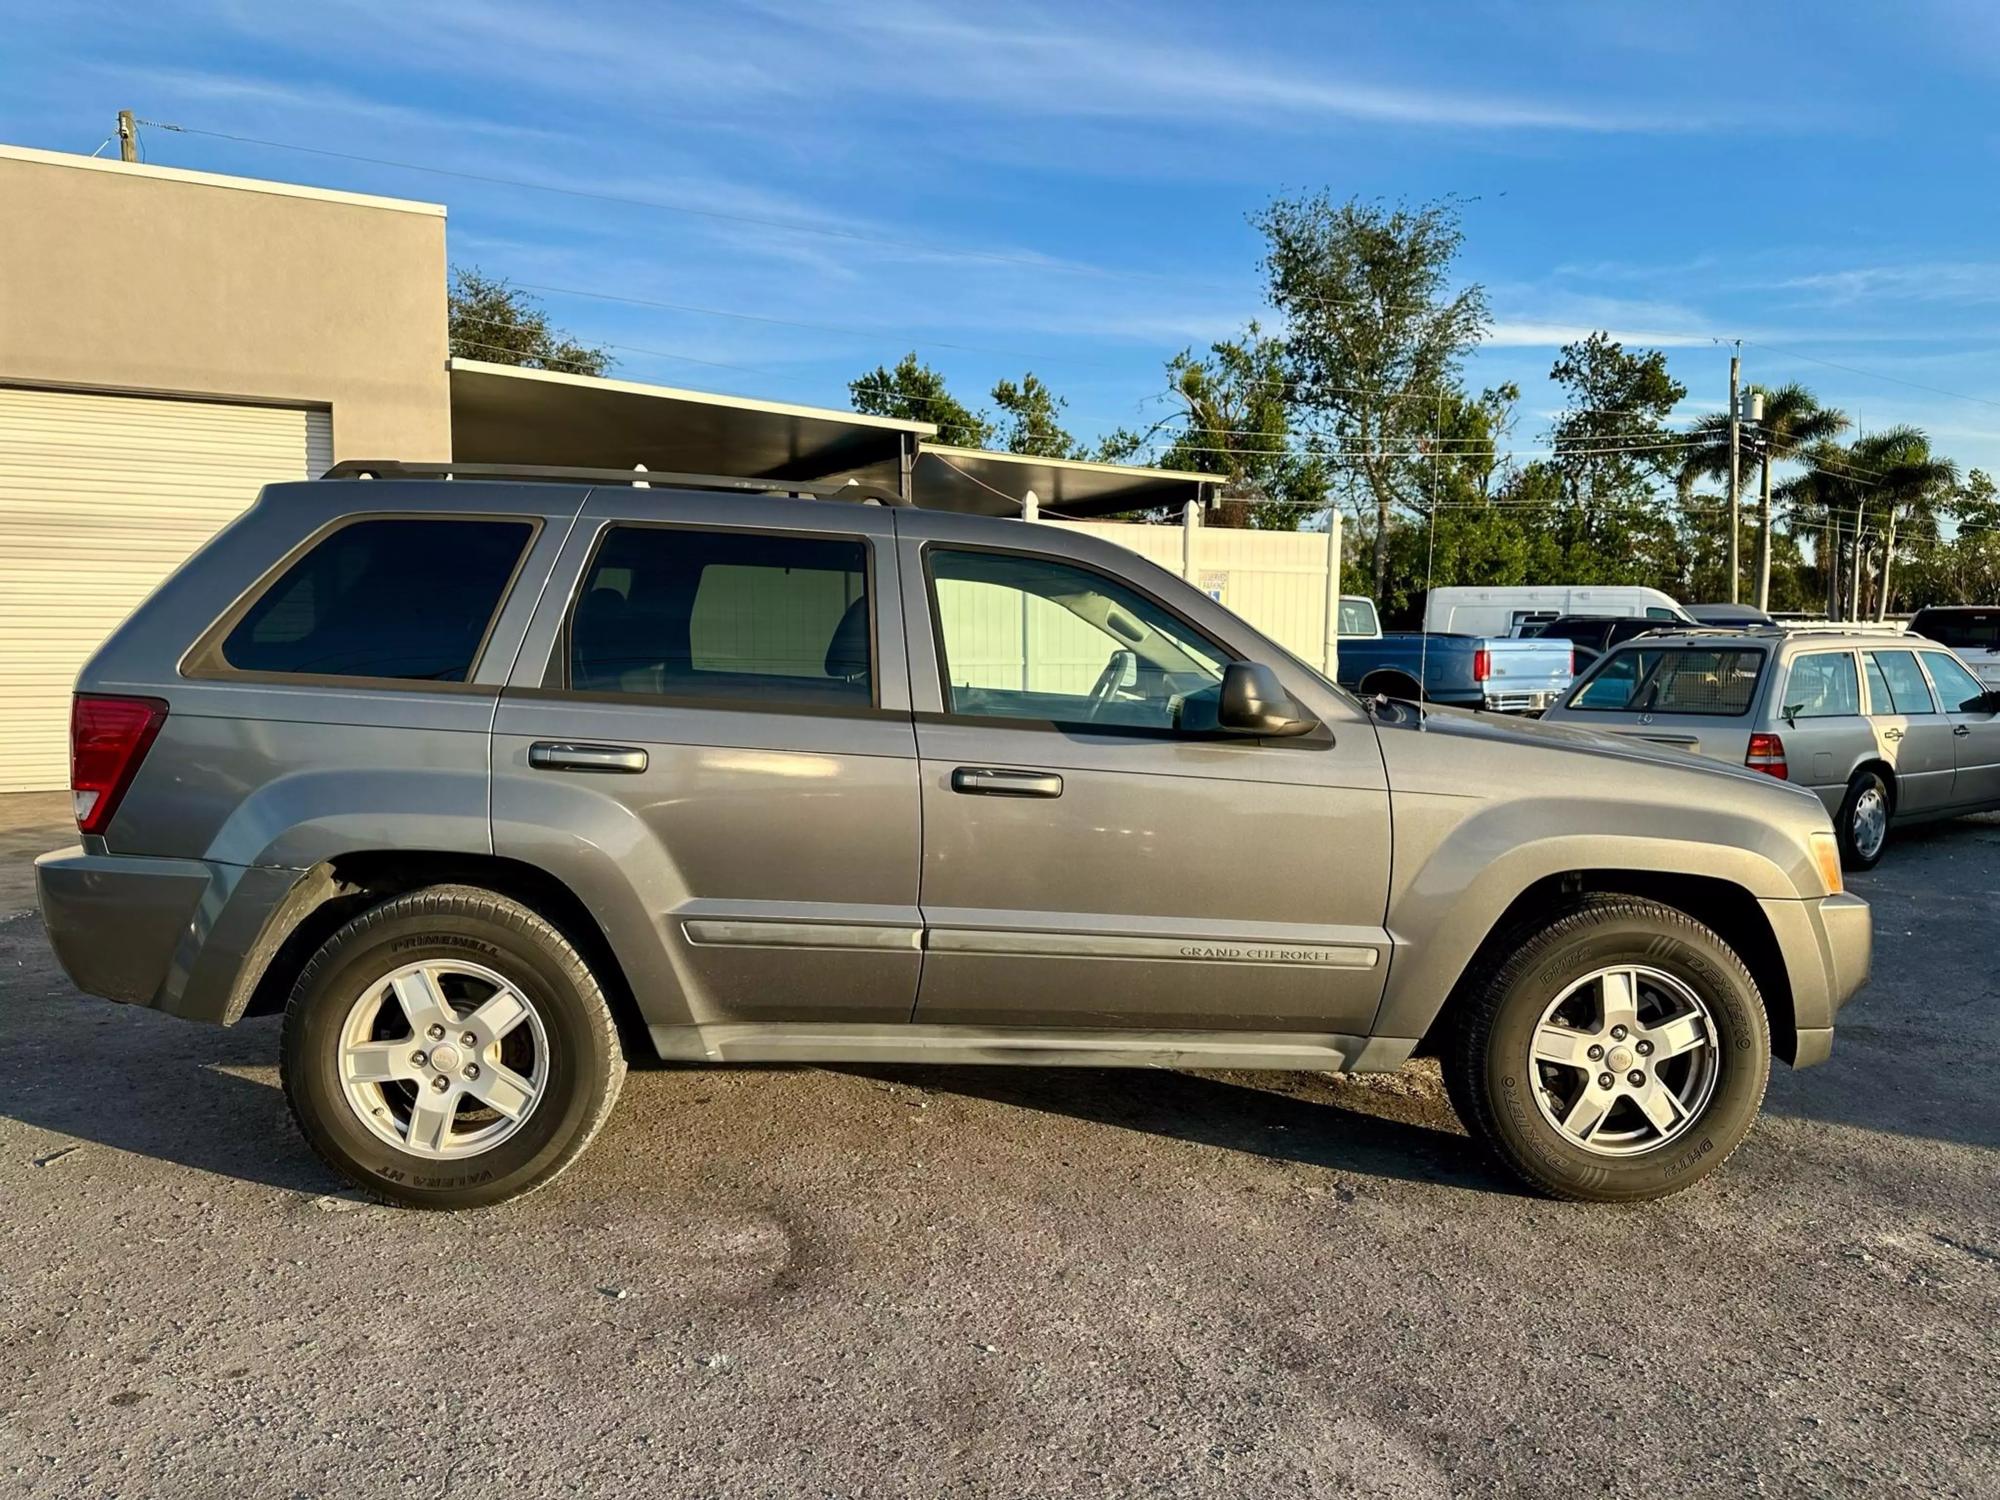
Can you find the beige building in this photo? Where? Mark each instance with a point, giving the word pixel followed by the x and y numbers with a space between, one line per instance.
pixel 172 341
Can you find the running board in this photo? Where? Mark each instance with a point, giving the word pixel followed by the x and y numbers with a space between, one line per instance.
pixel 1024 1046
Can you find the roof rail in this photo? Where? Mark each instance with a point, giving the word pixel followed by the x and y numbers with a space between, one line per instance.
pixel 848 490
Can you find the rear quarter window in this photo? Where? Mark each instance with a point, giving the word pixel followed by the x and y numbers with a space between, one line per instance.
pixel 1674 680
pixel 406 599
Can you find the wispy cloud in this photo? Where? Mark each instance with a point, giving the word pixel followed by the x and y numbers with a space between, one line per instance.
pixel 1922 281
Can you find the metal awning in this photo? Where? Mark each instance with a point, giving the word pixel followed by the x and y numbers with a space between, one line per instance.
pixel 502 414
pixel 996 484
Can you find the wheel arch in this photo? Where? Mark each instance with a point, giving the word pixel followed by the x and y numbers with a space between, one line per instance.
pixel 1729 910
pixel 1387 679
pixel 337 890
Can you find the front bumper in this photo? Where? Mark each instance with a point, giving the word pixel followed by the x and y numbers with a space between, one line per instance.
pixel 1827 945
pixel 178 935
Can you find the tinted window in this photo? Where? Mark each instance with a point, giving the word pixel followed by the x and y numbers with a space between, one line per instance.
pixel 1958 687
pixel 1822 686
pixel 1028 638
pixel 1959 629
pixel 1896 685
pixel 669 612
pixel 1681 680
pixel 406 599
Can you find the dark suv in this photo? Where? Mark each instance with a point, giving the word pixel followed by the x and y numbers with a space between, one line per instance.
pixel 485 784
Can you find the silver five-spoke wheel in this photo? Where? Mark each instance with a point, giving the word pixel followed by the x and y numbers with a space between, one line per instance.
pixel 443 1059
pixel 1624 1060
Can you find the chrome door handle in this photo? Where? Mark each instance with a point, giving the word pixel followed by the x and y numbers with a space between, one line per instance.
pixel 983 781
pixel 560 755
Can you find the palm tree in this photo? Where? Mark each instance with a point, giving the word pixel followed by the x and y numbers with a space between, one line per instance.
pixel 1832 489
pixel 1793 421
pixel 1901 477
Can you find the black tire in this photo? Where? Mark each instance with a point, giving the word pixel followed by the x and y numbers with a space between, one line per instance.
pixel 584 1065
pixel 1853 841
pixel 1493 1081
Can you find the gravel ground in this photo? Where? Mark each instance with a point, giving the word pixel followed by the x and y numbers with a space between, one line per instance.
pixel 1008 1282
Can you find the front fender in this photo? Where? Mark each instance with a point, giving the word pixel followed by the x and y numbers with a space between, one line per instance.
pixel 1461 862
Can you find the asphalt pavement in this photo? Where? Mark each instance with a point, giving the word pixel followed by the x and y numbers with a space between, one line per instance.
pixel 960 1281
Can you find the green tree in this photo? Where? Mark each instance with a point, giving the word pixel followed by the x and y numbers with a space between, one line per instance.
pixel 1375 336
pixel 1612 450
pixel 1234 420
pixel 914 392
pixel 486 318
pixel 1906 484
pixel 1793 422
pixel 1033 417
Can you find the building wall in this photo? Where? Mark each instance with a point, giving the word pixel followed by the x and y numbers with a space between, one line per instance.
pixel 147 279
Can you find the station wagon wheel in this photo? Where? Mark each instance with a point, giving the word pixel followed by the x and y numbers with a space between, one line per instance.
pixel 1625 1060
pixel 443 1059
pixel 1863 822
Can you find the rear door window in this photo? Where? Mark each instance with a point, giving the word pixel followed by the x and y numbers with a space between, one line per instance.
pixel 401 598
pixel 675 612
pixel 1677 680
pixel 1896 684
pixel 1822 685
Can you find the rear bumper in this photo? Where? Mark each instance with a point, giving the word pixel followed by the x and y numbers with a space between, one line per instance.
pixel 171 934
pixel 1828 946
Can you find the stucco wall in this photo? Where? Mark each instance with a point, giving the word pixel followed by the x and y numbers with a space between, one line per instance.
pixel 147 279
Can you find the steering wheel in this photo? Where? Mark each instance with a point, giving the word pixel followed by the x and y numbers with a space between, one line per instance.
pixel 1108 680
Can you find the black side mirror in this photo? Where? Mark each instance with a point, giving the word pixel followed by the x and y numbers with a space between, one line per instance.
pixel 1255 702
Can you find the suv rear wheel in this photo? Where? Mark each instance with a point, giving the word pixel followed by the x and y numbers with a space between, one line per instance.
pixel 1618 1052
pixel 448 1049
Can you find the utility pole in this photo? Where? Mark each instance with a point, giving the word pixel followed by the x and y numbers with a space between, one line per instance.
pixel 128 136
pixel 1735 468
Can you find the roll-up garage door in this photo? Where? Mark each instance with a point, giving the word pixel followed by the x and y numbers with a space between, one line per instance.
pixel 101 497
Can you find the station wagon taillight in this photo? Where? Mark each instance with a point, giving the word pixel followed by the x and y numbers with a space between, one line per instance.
pixel 108 737
pixel 1767 754
pixel 1482 664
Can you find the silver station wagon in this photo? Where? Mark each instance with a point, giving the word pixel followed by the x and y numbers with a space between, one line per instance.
pixel 1887 729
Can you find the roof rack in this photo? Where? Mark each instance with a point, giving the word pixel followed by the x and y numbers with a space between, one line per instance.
pixel 848 490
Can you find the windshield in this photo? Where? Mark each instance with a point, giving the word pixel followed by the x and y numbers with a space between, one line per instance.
pixel 1673 680
pixel 1960 629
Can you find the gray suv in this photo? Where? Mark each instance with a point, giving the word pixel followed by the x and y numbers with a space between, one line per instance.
pixel 1886 729
pixel 487 786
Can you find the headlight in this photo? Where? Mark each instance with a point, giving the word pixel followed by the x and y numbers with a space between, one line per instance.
pixel 1826 854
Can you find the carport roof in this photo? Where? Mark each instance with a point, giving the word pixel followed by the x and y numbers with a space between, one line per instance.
pixel 972 479
pixel 503 414
pixel 508 415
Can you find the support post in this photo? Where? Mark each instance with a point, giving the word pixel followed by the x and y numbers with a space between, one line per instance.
pixel 1735 474
pixel 1190 524
pixel 128 136
pixel 1330 654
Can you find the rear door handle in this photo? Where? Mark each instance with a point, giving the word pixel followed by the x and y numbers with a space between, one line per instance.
pixel 561 755
pixel 1892 734
pixel 1960 730
pixel 986 781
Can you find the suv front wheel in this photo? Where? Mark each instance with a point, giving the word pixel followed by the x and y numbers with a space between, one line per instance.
pixel 449 1049
pixel 1618 1052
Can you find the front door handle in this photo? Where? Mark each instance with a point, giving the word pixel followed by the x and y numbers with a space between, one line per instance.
pixel 1960 730
pixel 986 781
pixel 561 755
pixel 1892 734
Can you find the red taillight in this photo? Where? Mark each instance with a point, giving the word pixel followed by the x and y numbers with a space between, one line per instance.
pixel 1767 754
pixel 108 737
pixel 1482 664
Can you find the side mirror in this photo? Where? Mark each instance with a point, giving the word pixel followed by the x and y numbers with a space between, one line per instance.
pixel 1255 702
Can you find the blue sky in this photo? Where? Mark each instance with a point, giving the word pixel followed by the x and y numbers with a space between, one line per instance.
pixel 1063 187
